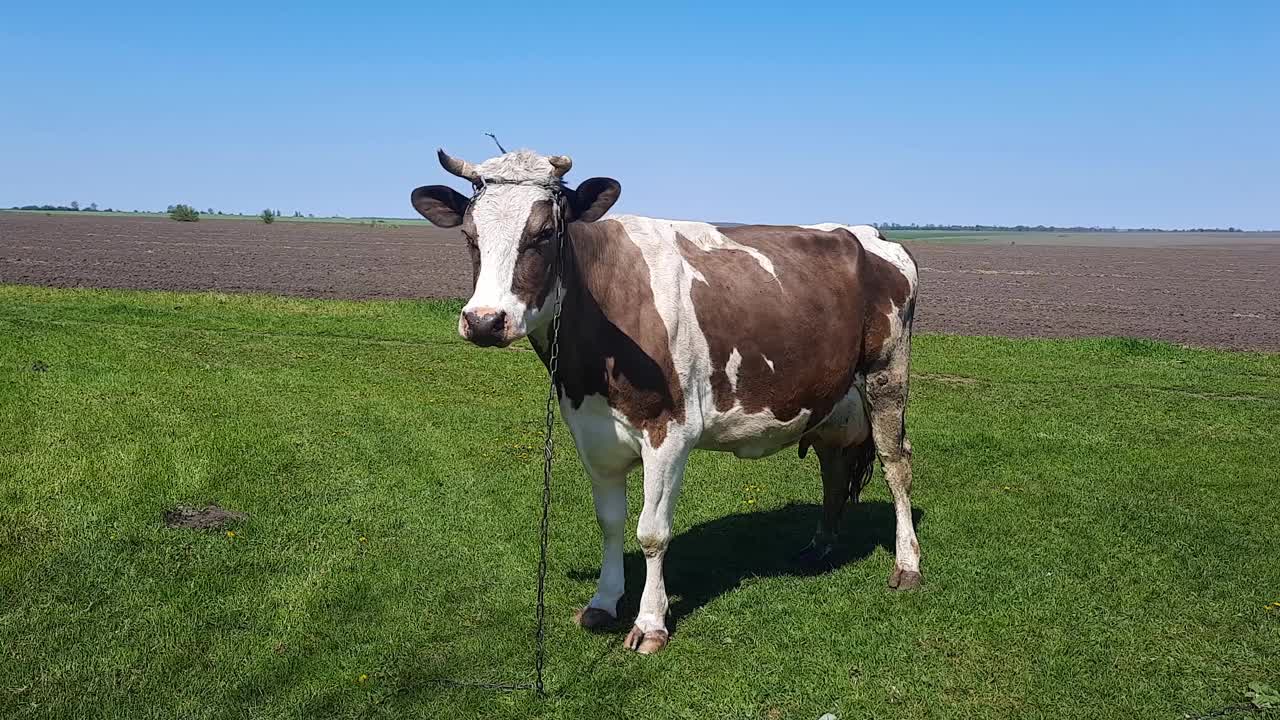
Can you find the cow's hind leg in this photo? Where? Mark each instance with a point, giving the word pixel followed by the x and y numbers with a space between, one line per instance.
pixel 887 395
pixel 844 472
pixel 663 475
pixel 835 493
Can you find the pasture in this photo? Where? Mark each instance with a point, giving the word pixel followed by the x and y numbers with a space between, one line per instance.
pixel 1098 518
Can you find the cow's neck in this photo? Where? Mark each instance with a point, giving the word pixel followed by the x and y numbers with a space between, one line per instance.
pixel 597 285
pixel 585 276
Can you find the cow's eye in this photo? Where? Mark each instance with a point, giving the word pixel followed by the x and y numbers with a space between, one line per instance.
pixel 537 241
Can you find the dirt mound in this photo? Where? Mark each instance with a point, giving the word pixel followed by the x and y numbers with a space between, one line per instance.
pixel 209 517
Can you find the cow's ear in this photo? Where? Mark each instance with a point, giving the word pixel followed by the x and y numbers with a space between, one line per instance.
pixel 440 204
pixel 594 197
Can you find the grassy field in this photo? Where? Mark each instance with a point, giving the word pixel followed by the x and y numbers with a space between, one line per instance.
pixel 1099 520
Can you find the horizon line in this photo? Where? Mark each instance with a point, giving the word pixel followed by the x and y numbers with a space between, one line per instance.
pixel 953 227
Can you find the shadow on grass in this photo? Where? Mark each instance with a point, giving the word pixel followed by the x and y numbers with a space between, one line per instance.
pixel 714 557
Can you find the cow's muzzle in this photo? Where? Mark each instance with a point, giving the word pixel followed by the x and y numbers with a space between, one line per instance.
pixel 485 327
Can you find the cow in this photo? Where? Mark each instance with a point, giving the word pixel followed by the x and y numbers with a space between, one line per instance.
pixel 676 336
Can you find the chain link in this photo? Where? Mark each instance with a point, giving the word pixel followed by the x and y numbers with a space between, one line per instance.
pixel 548 446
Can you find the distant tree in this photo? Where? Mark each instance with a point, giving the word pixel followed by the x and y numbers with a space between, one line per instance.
pixel 183 213
pixel 93 207
pixel 268 216
pixel 75 205
pixel 297 213
pixel 209 210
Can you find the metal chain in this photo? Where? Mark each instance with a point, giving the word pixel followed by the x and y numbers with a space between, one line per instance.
pixel 548 446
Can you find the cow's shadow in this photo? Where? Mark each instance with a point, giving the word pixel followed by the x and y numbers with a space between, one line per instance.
pixel 715 557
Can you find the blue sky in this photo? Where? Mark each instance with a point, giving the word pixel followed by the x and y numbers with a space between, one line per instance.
pixel 1153 114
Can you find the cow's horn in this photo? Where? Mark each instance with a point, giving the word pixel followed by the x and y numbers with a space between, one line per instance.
pixel 561 164
pixel 458 166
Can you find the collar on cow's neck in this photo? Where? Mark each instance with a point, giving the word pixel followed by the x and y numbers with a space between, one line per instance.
pixel 554 184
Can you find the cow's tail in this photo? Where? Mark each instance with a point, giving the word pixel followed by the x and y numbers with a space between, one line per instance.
pixel 861 461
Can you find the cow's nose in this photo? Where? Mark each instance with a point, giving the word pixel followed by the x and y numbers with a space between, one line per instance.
pixel 485 326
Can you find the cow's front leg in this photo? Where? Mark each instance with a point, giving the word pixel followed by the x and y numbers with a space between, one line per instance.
pixel 609 490
pixel 663 474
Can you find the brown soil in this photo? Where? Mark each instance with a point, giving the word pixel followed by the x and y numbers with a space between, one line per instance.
pixel 329 260
pixel 1223 295
pixel 209 517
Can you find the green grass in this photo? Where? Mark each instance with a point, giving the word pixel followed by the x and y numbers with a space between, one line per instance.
pixel 1099 520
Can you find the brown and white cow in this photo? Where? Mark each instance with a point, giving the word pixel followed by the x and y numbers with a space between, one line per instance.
pixel 678 336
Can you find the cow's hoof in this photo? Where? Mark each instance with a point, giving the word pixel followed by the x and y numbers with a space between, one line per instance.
pixel 645 643
pixel 905 579
pixel 814 558
pixel 590 618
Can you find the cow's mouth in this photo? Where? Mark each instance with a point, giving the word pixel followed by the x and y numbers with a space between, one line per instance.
pixel 491 341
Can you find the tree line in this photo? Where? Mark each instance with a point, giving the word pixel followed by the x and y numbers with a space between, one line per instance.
pixel 1047 228
pixel 73 207
pixel 181 211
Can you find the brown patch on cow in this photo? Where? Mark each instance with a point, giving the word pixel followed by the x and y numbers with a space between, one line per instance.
pixel 469 235
pixel 613 342
pixel 808 321
pixel 209 517
pixel 537 255
pixel 886 284
pixel 886 288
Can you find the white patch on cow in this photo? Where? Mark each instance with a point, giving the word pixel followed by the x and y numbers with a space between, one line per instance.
pixel 749 435
pixel 731 368
pixel 608 447
pixel 704 236
pixel 671 278
pixel 500 215
pixel 605 439
pixel 767 361
pixel 708 237
pixel 870 239
pixel 671 281
pixel 847 423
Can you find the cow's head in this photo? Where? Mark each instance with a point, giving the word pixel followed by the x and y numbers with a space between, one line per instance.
pixel 510 227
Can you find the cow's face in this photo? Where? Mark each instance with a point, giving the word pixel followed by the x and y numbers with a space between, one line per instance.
pixel 510 226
